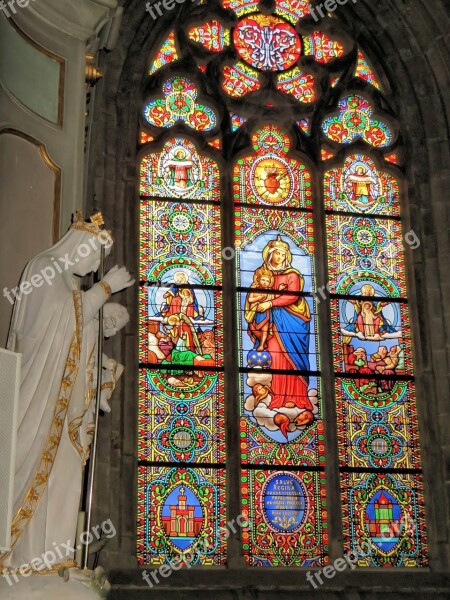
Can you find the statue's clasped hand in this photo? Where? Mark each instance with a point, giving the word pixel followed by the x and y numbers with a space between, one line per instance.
pixel 118 279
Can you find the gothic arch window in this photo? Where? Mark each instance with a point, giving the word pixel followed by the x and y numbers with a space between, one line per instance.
pixel 276 364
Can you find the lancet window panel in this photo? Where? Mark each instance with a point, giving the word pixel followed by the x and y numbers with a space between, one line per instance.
pixel 383 517
pixel 181 383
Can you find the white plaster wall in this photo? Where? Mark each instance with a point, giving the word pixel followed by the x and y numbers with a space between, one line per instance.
pixel 26 208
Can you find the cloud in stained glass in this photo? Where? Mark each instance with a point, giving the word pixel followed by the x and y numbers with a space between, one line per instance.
pixel 355 120
pixel 179 104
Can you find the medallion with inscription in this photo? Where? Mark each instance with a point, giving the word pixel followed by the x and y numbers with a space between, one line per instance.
pixel 284 502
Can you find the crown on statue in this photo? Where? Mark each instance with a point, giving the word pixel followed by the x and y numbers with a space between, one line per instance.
pixel 92 226
pixel 278 244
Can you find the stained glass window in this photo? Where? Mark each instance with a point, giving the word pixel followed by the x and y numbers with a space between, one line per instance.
pixel 273 319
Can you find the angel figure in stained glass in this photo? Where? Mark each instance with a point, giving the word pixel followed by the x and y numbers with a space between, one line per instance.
pixel 179 170
pixel 369 322
pixel 361 187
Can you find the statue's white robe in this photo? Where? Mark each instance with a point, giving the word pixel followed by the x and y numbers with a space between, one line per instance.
pixel 54 329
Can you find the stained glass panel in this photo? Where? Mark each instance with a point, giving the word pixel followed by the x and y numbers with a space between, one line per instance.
pixel 179 171
pixel 179 104
pixel 236 122
pixel 326 154
pixel 213 36
pixel 290 232
pixel 334 80
pixel 181 516
pixel 305 125
pixel 322 47
pixel 267 42
pixel 273 434
pixel 392 158
pixel 365 72
pixel 145 138
pixel 241 7
pixel 276 358
pixel 354 121
pixel 181 419
pixel 360 187
pixel 292 10
pixel 383 519
pixel 377 425
pixel 216 143
pixel 298 84
pixel 271 176
pixel 281 411
pixel 180 326
pixel 371 338
pixel 166 54
pixel 363 248
pixel 181 386
pixel 240 79
pixel 178 235
pixel 287 513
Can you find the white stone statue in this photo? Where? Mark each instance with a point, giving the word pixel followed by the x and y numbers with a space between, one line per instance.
pixel 55 328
